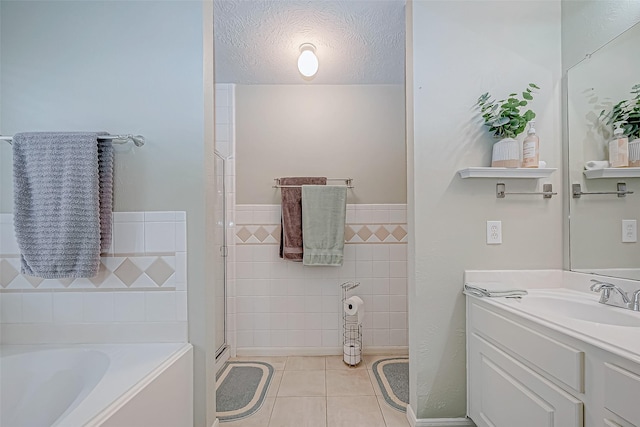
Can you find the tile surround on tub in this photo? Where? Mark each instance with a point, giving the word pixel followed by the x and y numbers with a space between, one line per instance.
pixel 143 284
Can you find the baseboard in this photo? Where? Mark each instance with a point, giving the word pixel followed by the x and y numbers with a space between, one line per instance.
pixel 437 422
pixel 222 359
pixel 317 351
pixel 216 423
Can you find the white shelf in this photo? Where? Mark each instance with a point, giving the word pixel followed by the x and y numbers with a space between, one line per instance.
pixel 613 173
pixel 531 173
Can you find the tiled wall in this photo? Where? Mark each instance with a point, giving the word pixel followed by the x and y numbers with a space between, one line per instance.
pixel 139 294
pixel 283 304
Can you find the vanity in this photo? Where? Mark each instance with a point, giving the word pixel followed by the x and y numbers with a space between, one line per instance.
pixel 553 358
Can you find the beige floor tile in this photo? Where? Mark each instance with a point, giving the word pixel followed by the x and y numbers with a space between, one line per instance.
pixel 354 411
pixel 275 384
pixel 337 362
pixel 370 360
pixel 276 361
pixel 299 412
pixel 349 383
pixel 312 363
pixel 259 419
pixel 302 384
pixel 374 382
pixel 392 417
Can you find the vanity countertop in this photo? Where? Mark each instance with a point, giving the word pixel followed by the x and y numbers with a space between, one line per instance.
pixel 579 315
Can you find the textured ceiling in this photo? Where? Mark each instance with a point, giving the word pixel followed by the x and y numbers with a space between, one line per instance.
pixel 357 41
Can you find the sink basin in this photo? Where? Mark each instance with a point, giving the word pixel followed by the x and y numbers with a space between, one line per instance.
pixel 586 310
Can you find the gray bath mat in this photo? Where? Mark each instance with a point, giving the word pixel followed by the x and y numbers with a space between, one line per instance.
pixel 241 388
pixel 393 378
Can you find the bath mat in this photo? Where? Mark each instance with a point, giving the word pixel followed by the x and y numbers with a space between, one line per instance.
pixel 241 388
pixel 393 378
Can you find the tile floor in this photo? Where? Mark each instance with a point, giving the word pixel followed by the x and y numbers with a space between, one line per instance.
pixel 322 392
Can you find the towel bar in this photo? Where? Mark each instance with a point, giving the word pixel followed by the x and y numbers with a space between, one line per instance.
pixel 138 140
pixel 348 182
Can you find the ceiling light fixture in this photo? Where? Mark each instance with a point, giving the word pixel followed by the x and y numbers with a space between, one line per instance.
pixel 308 61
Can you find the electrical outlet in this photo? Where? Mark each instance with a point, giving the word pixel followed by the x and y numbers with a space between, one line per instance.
pixel 629 231
pixel 494 232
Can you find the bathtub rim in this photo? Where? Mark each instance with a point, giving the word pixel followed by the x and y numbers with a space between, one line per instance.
pixel 125 397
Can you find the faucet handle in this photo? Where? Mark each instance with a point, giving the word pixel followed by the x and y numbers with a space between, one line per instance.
pixel 606 289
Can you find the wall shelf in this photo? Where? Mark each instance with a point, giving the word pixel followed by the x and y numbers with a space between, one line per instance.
pixel 484 172
pixel 613 173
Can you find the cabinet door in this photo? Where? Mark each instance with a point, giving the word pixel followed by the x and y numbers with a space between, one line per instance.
pixel 506 393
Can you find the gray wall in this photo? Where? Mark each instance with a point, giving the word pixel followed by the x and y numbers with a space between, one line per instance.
pixel 459 51
pixel 337 131
pixel 123 67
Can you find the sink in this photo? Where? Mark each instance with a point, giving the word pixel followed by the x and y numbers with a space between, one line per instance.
pixel 580 309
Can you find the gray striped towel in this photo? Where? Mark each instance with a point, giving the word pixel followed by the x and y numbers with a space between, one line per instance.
pixel 62 202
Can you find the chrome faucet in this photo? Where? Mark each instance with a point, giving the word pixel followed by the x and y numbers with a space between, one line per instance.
pixel 605 288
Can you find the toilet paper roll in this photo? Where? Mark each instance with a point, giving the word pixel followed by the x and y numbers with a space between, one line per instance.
pixel 352 353
pixel 354 306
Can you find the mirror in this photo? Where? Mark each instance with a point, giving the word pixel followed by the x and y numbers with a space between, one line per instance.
pixel 596 229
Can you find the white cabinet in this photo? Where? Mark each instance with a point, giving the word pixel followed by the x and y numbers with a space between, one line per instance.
pixel 510 394
pixel 523 374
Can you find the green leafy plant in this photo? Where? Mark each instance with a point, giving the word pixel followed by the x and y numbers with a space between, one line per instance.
pixel 504 117
pixel 627 111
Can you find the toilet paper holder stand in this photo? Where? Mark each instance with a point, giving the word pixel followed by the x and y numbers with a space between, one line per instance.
pixel 351 330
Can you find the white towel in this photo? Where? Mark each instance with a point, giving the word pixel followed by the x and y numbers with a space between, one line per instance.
pixel 596 164
pixel 492 289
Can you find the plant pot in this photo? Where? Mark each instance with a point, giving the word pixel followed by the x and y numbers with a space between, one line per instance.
pixel 634 153
pixel 506 154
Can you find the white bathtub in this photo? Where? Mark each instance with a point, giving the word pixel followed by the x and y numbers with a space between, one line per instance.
pixel 96 385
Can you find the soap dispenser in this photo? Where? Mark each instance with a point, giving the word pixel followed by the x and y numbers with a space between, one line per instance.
pixel 531 148
pixel 619 147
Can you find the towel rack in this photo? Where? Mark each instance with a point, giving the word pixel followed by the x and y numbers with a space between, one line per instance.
pixel 348 182
pixel 138 140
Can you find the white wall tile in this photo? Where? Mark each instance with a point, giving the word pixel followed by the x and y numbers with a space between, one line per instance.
pixel 67 307
pixel 98 307
pixel 381 337
pixel 279 338
pixel 182 310
pixel 312 321
pixel 331 338
pixel 120 217
pixel 11 307
pixel 8 243
pixel 159 216
pixel 398 320
pixel 244 321
pixel 398 303
pixel 128 237
pixel 380 320
pixel 278 321
pixel 181 236
pixel 296 338
pixel 129 306
pixel 313 338
pixel 398 337
pixel 159 237
pixel 244 339
pixel 160 306
pixel 381 303
pixel 262 338
pixel 37 307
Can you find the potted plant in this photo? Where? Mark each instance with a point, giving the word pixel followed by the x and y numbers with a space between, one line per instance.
pixel 627 112
pixel 506 121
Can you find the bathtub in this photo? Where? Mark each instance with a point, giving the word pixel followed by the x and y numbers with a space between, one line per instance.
pixel 96 385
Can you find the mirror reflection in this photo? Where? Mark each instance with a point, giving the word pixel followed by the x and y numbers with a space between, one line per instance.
pixel 603 227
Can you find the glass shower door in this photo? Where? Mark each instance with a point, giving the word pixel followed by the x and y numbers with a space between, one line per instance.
pixel 220 264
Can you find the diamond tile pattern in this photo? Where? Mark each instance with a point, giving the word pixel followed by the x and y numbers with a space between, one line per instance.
pixel 159 271
pixel 353 233
pixel 7 273
pixel 128 272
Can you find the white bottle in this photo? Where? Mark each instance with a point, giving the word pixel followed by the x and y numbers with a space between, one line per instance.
pixel 619 148
pixel 531 148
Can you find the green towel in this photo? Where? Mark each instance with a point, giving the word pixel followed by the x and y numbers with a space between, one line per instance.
pixel 324 208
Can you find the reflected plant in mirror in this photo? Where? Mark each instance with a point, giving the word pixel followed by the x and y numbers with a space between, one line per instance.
pixel 626 112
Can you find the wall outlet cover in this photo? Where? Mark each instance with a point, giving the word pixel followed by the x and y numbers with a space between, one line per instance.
pixel 494 232
pixel 629 231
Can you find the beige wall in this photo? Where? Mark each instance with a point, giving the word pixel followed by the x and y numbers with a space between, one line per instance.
pixel 461 50
pixel 337 131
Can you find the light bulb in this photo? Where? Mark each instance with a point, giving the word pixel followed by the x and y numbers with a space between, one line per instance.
pixel 308 61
